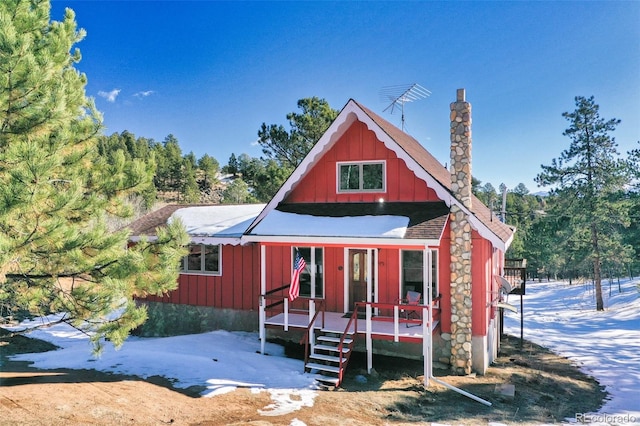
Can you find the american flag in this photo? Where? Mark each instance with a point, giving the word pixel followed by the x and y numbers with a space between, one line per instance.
pixel 298 267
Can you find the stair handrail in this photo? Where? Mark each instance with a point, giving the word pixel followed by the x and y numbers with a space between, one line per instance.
pixel 352 320
pixel 306 338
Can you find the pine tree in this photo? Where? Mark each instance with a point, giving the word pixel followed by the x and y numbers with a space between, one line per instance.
pixel 173 155
pixel 289 148
pixel 57 252
pixel 189 188
pixel 587 181
pixel 209 167
pixel 232 167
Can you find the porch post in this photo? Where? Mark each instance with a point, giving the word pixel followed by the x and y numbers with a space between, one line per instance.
pixel 286 314
pixel 345 279
pixel 427 350
pixel 369 340
pixel 263 291
pixel 396 323
pixel 312 313
pixel 427 315
pixel 375 287
pixel 368 320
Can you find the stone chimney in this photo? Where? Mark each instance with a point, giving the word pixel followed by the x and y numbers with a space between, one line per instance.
pixel 460 236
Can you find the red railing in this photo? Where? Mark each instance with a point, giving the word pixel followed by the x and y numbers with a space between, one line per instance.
pixel 434 309
pixel 306 338
pixel 352 321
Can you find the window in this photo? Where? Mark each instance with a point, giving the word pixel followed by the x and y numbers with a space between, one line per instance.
pixel 361 177
pixel 413 274
pixel 435 289
pixel 312 273
pixel 203 259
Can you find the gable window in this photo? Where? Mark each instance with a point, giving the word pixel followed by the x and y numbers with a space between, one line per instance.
pixel 311 278
pixel 202 259
pixel 361 177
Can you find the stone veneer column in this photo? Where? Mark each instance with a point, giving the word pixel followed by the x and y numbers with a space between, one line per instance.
pixel 460 236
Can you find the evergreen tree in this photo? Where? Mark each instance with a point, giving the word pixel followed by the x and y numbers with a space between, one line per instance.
pixel 190 190
pixel 521 189
pixel 633 236
pixel 57 253
pixel 269 180
pixel 232 166
pixel 174 163
pixel 289 148
pixel 244 163
pixel 237 192
pixel 109 147
pixel 210 168
pixel 587 181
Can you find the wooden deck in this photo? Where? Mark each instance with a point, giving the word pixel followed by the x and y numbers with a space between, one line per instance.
pixel 382 327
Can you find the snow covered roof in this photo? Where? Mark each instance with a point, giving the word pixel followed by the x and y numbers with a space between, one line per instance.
pixel 209 224
pixel 379 223
pixel 348 223
pixel 217 221
pixel 292 224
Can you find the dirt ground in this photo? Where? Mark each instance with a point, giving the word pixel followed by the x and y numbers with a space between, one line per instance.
pixel 548 389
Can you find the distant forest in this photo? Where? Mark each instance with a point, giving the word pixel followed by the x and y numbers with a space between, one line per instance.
pixel 185 179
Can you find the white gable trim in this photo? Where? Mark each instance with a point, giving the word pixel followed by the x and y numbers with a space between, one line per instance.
pixel 328 139
pixel 442 192
pixel 349 114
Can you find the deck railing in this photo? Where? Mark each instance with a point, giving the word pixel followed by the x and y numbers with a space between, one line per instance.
pixel 402 308
pixel 426 321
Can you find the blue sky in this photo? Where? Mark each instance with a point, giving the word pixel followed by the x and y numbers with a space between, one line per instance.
pixel 211 73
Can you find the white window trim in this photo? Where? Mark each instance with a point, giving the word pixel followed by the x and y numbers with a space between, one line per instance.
pixel 428 264
pixel 312 268
pixel 434 262
pixel 185 263
pixel 361 190
pixel 372 276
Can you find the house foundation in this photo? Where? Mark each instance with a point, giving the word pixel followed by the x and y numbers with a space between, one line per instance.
pixel 172 319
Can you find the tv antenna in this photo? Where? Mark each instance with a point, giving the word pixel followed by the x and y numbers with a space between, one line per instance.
pixel 399 95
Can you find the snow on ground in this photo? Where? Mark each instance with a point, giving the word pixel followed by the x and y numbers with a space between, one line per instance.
pixel 220 360
pixel 605 345
pixel 559 316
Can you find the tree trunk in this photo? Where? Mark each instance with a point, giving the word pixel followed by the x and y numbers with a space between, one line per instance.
pixel 597 275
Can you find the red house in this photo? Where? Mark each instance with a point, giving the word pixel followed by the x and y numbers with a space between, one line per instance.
pixel 376 219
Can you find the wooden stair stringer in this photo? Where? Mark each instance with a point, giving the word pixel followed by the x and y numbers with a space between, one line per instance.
pixel 327 360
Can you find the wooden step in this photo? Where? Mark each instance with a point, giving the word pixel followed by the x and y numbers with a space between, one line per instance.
pixel 333 381
pixel 322 367
pixel 327 358
pixel 345 349
pixel 347 340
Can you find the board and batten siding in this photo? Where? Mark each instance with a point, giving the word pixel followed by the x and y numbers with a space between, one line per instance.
pixel 357 144
pixel 237 288
pixel 481 284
